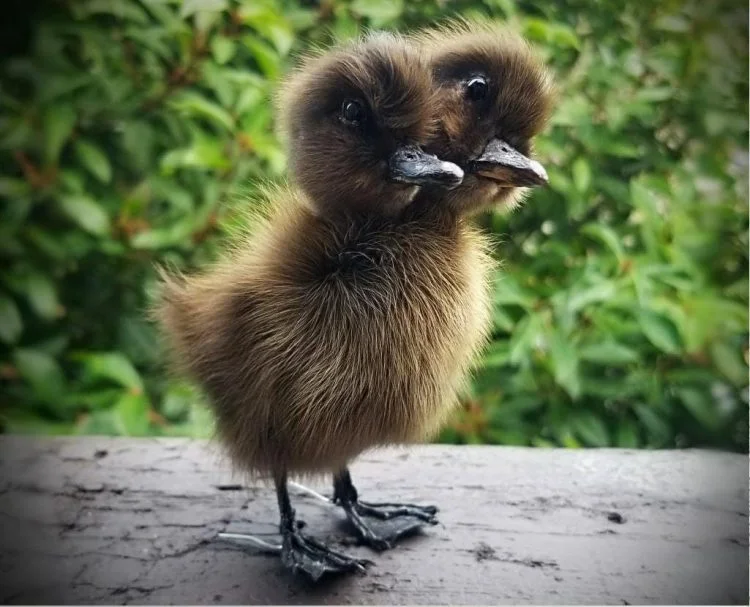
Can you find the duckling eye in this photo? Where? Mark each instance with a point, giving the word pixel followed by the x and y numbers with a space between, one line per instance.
pixel 477 88
pixel 352 112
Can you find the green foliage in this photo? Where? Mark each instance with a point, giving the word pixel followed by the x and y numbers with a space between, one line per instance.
pixel 131 130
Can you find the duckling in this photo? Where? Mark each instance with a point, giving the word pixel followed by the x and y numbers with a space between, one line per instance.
pixel 330 330
pixel 494 95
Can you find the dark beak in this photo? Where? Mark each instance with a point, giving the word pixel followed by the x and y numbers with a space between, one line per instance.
pixel 507 166
pixel 409 164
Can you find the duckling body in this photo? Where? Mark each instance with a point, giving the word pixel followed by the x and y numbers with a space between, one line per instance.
pixel 321 339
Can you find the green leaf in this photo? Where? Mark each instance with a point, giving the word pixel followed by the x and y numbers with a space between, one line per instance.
pixel 607 236
pixel 497 355
pixel 86 213
pixel 193 104
pixel 177 402
pixel 126 11
pixel 204 152
pixel 73 182
pixel 59 121
pixel 131 414
pixel 627 435
pixel 502 321
pixel 608 352
pixel 138 143
pixel 582 175
pixel 590 429
pixel 658 429
pixel 223 49
pixel 94 160
pixel 14 188
pixel 19 423
pixel 177 234
pixel 11 325
pixel 564 358
pixel 656 94
pixel 113 366
pixel 524 339
pixel 601 291
pixel 729 362
pixel 268 60
pixel 191 7
pixel 269 23
pixel 700 406
pixel 509 292
pixel 249 98
pixel 660 331
pixel 42 373
pixel 42 295
pixel 673 23
pixel 102 423
pixel 643 198
pixel 379 12
pixel 201 421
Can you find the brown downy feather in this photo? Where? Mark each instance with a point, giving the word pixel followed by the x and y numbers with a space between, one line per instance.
pixel 344 321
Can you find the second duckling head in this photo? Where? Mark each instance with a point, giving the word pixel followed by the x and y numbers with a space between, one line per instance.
pixel 355 118
pixel 494 95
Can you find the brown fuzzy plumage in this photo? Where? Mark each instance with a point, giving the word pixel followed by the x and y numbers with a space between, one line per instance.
pixel 318 340
pixel 349 318
pixel 520 99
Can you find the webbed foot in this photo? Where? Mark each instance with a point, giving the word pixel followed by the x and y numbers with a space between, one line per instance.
pixel 301 553
pixel 379 525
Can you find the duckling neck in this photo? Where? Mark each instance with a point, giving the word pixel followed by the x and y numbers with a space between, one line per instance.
pixel 375 248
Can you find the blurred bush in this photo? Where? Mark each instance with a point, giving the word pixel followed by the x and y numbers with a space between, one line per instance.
pixel 131 130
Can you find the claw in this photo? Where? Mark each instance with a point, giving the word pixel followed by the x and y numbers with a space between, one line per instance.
pixel 304 554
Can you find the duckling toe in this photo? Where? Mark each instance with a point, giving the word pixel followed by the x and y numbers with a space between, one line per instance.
pixel 380 526
pixel 386 511
pixel 304 554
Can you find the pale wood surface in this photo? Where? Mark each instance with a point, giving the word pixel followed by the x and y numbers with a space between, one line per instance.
pixel 113 521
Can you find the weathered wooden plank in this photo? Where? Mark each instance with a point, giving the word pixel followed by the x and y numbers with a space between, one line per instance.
pixel 101 520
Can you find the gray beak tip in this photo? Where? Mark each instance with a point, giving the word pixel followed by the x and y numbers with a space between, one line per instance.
pixel 540 172
pixel 454 174
pixel 410 164
pixel 506 165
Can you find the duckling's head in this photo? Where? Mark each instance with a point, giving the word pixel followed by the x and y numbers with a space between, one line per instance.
pixel 493 96
pixel 355 118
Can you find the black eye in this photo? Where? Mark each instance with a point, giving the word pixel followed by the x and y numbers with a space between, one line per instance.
pixel 477 88
pixel 352 112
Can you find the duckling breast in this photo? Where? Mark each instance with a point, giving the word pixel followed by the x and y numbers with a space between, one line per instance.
pixel 383 333
pixel 333 340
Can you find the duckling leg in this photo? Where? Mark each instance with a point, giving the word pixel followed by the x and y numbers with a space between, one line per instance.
pixel 302 553
pixel 399 520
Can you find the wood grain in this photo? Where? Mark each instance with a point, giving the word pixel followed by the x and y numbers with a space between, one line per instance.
pixel 115 521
